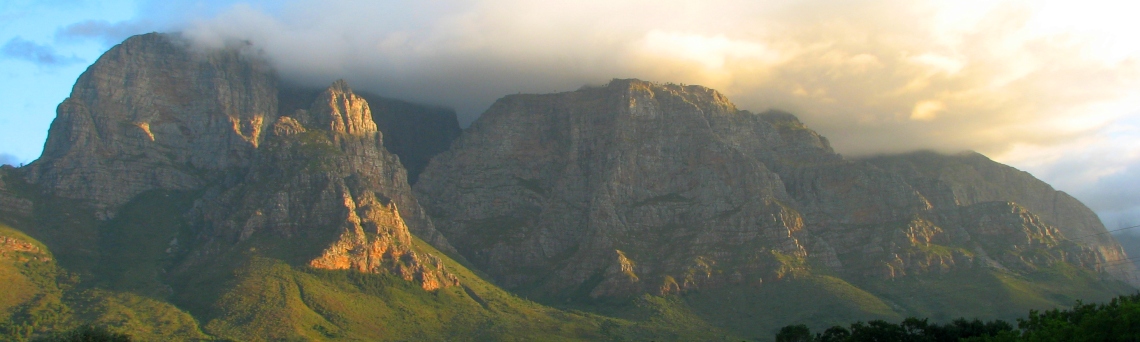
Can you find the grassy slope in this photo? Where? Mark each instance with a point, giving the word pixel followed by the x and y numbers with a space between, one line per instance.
pixel 758 312
pixel 77 285
pixel 40 297
pixel 19 283
pixel 310 304
pixel 822 301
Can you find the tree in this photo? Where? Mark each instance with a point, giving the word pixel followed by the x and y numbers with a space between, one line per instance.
pixel 794 333
pixel 87 333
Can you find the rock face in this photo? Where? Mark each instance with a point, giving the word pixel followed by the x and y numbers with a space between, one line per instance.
pixel 154 113
pixel 641 187
pixel 414 132
pixel 969 178
pixel 324 182
pixel 10 203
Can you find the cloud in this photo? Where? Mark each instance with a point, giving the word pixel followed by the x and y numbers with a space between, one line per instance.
pixel 1102 169
pixel 874 76
pixel 1115 196
pixel 1050 87
pixel 8 159
pixel 104 32
pixel 43 55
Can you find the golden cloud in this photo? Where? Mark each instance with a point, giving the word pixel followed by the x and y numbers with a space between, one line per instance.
pixel 874 76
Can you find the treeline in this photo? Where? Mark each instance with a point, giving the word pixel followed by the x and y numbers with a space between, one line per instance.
pixel 86 333
pixel 1117 320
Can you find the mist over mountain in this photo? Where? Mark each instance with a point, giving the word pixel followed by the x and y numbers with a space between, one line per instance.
pixel 190 191
pixel 1006 79
pixel 874 76
pixel 8 159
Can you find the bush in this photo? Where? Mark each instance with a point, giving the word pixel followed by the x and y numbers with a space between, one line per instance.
pixel 87 333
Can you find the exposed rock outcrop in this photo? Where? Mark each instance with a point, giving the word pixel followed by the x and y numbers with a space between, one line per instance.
pixel 156 113
pixel 948 181
pixel 386 247
pixel 21 251
pixel 414 132
pixel 641 187
pixel 325 186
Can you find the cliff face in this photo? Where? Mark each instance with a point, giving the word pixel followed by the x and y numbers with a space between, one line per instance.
pixel 601 191
pixel 154 113
pixel 414 132
pixel 323 183
pixel 969 178
pixel 641 187
pixel 11 204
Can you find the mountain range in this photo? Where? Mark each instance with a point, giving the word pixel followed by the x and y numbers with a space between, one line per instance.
pixel 189 193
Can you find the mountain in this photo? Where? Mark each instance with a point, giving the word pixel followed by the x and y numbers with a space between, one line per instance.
pixel 971 178
pixel 187 193
pixel 413 132
pixel 155 113
pixel 634 188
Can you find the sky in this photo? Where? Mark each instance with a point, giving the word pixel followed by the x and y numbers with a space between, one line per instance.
pixel 1049 87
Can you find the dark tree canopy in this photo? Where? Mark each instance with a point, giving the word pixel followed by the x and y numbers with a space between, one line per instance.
pixel 1117 320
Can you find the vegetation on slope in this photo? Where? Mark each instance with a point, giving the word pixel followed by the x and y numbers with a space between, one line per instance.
pixel 40 299
pixel 1117 320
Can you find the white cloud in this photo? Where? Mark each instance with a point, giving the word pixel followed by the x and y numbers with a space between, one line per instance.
pixel 1037 84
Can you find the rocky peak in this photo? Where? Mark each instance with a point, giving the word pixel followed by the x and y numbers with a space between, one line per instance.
pixel 332 193
pixel 339 110
pixel 695 94
pixel 155 113
pixel 414 132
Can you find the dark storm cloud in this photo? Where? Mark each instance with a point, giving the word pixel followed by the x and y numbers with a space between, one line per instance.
pixel 43 55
